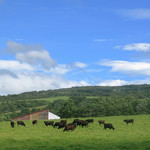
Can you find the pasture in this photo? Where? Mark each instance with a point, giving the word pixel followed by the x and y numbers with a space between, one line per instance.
pixel 93 137
pixel 52 99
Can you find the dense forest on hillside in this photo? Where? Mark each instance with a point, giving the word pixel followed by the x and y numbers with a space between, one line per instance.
pixel 82 101
pixel 139 90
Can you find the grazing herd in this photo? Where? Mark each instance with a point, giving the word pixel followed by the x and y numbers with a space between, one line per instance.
pixel 71 126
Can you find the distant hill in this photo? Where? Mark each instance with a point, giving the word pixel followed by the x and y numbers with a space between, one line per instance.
pixel 138 90
pixel 80 101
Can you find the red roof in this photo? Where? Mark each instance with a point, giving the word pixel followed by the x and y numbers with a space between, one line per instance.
pixel 32 113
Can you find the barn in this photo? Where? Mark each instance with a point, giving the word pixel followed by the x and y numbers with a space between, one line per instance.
pixel 39 115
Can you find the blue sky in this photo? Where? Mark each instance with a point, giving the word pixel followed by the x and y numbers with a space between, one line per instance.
pixel 47 44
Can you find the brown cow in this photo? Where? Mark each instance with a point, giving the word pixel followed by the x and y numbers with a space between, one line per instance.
pixel 69 127
pixel 63 121
pixel 101 122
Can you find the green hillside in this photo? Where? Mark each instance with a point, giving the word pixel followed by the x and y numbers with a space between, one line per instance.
pixel 90 101
pixel 138 90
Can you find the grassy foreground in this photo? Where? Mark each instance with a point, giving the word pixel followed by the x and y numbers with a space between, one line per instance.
pixel 40 137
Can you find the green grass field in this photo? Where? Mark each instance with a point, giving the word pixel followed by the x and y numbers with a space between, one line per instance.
pixel 94 137
pixel 51 99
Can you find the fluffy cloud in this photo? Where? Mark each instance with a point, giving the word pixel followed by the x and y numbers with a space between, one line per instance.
pixel 141 47
pixel 119 82
pixel 40 58
pixel 31 54
pixel 16 77
pixel 37 58
pixel 79 65
pixel 135 13
pixel 15 66
pixel 131 68
pixel 15 48
pixel 34 69
pixel 112 83
pixel 34 81
pixel 61 69
pixel 4 72
pixel 64 68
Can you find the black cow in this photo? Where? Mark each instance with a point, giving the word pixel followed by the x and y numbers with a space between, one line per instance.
pixel 49 123
pixel 90 120
pixel 79 122
pixel 21 123
pixel 12 124
pixel 101 122
pixel 75 120
pixel 129 121
pixel 34 122
pixel 84 123
pixel 108 125
pixel 61 125
pixel 56 124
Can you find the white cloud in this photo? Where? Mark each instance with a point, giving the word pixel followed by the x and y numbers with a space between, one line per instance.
pixel 64 68
pixel 31 54
pixel 61 69
pixel 34 81
pixel 79 65
pixel 145 47
pixel 15 66
pixel 139 47
pixel 40 58
pixel 33 70
pixel 131 68
pixel 4 72
pixel 15 48
pixel 112 83
pixel 140 13
pixel 37 58
pixel 119 82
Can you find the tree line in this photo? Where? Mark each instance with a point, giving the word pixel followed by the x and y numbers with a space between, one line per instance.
pixel 90 101
pixel 141 91
pixel 79 106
